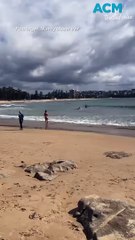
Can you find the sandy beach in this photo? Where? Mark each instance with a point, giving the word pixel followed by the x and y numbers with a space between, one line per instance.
pixel 21 195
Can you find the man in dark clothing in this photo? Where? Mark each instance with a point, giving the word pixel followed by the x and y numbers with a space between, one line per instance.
pixel 21 116
pixel 46 119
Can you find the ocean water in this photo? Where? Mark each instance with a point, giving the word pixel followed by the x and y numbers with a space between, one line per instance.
pixel 116 112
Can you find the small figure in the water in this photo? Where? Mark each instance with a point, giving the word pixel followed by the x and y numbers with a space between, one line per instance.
pixel 21 117
pixel 86 106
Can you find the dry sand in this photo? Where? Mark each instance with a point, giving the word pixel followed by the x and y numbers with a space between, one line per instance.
pixel 22 195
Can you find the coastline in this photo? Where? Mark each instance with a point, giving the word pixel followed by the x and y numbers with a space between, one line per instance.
pixel 104 129
pixel 45 100
pixel 54 100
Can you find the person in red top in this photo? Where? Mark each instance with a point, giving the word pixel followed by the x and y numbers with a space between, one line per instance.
pixel 46 119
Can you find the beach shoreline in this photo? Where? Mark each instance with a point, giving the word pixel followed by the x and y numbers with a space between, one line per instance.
pixel 45 100
pixel 104 129
pixel 103 116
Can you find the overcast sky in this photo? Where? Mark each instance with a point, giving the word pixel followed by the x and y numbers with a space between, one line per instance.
pixel 100 55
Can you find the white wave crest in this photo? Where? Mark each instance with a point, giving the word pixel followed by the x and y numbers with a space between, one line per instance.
pixel 65 119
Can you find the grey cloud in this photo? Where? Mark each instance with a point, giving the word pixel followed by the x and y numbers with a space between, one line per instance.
pixel 93 57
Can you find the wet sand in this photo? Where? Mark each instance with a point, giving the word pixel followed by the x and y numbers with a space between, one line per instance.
pixel 22 195
pixel 111 130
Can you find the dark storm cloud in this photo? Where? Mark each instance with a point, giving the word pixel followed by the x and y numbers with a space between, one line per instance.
pixel 100 55
pixel 120 55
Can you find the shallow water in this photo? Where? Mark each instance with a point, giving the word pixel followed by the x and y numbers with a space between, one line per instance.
pixel 116 112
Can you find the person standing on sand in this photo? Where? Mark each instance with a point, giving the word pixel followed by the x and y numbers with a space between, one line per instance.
pixel 46 119
pixel 21 116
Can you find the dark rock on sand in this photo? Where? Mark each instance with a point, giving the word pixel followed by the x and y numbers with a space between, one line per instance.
pixel 117 155
pixel 61 166
pixel 36 168
pixel 48 171
pixel 106 219
pixel 44 176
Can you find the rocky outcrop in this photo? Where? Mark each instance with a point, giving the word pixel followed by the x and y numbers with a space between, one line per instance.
pixel 36 168
pixel 49 171
pixel 106 219
pixel 117 155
